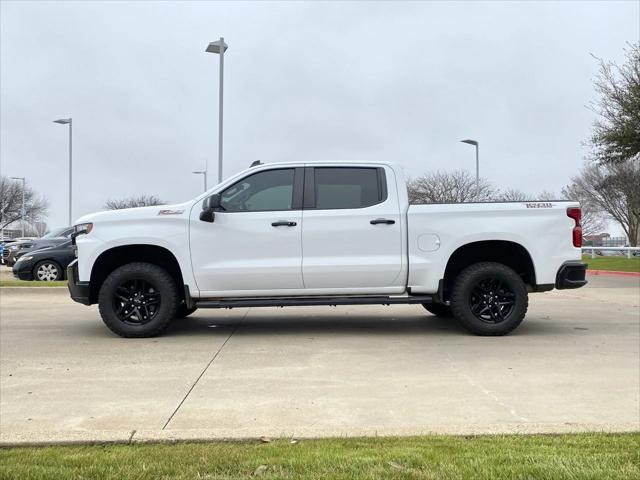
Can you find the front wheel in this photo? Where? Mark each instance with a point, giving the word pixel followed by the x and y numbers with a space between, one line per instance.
pixel 47 271
pixel 138 300
pixel 489 299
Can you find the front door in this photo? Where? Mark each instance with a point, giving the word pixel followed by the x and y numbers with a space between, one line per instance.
pixel 253 246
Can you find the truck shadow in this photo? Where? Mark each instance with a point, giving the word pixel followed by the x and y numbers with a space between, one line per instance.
pixel 428 325
pixel 273 324
pixel 316 324
pixel 208 323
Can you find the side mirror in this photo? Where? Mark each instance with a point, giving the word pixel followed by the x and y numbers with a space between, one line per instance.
pixel 209 207
pixel 212 202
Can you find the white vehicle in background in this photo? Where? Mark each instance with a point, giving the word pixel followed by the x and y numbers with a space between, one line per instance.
pixel 330 233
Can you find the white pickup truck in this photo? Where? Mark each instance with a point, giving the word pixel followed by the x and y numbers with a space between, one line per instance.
pixel 329 233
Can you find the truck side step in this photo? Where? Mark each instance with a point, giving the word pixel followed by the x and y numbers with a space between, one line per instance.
pixel 311 301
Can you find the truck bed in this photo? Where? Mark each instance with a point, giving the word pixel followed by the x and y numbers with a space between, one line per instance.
pixel 436 231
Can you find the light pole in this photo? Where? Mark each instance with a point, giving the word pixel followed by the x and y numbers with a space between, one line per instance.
pixel 69 121
pixel 475 142
pixel 219 47
pixel 22 211
pixel 204 174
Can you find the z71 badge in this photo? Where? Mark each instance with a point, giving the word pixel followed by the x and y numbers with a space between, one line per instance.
pixel 170 212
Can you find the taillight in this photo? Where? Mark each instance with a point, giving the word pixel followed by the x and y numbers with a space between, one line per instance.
pixel 576 214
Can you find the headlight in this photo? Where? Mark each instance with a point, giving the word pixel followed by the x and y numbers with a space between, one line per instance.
pixel 83 228
pixel 24 257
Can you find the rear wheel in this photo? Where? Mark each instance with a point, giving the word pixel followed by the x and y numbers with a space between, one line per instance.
pixel 138 300
pixel 489 299
pixel 438 309
pixel 47 271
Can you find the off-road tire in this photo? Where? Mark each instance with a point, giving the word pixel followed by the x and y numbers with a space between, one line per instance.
pixel 154 275
pixel 469 279
pixel 438 309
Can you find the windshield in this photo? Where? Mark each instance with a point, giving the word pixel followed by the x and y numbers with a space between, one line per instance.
pixel 58 232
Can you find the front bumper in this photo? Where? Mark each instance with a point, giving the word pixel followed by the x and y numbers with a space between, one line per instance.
pixel 23 269
pixel 571 275
pixel 22 272
pixel 80 291
pixel 10 259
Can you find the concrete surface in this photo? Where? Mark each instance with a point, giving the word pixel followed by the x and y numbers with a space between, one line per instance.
pixel 573 365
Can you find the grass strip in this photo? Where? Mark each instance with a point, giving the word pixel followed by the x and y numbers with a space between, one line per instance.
pixel 574 456
pixel 26 283
pixel 617 263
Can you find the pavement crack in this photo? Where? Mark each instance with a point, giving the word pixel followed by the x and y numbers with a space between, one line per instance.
pixel 484 390
pixel 235 328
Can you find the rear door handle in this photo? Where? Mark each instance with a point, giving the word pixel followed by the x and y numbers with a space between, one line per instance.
pixel 385 221
pixel 283 223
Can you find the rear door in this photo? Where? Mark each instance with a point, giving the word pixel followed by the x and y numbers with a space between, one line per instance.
pixel 352 238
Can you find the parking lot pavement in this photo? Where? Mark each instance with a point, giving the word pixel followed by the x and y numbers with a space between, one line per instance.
pixel 574 365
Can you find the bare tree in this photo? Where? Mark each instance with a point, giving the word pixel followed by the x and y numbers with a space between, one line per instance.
pixel 40 228
pixel 35 206
pixel 449 187
pixel 616 134
pixel 546 195
pixel 613 189
pixel 142 200
pixel 594 219
pixel 513 195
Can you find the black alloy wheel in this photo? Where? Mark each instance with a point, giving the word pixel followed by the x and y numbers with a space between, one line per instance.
pixel 136 302
pixel 492 300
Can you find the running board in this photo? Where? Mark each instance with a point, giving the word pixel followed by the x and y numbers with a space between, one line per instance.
pixel 310 301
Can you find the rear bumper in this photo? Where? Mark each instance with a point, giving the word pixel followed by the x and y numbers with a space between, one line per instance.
pixel 571 275
pixel 80 291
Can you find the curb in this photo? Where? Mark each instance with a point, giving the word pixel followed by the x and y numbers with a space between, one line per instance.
pixel 613 273
pixel 131 437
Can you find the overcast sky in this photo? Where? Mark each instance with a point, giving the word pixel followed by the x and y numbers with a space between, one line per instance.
pixel 403 82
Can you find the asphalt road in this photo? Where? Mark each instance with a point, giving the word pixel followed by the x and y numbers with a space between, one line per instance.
pixel 573 365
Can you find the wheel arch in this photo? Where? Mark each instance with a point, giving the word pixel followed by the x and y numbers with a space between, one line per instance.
pixel 509 253
pixel 115 257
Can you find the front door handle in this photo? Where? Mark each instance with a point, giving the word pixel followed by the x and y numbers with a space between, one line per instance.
pixel 385 221
pixel 283 223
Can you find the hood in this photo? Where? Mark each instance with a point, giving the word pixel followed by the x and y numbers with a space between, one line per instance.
pixel 138 213
pixel 49 242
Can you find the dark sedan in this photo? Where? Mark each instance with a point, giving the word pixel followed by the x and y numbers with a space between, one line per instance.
pixel 6 243
pixel 46 265
pixel 17 249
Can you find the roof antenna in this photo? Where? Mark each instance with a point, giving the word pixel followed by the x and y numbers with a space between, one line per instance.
pixel 256 163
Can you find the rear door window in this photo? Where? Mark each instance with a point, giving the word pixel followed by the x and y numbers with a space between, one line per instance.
pixel 345 187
